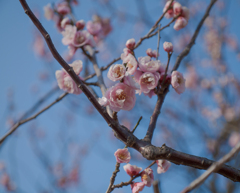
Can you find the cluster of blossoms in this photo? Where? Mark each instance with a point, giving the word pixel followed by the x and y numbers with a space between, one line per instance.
pixel 74 34
pixel 147 178
pixel 177 10
pixel 138 76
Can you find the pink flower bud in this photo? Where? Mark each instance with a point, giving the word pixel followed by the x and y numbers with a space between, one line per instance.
pixel 94 28
pixel 152 53
pixel 163 166
pixel 180 23
pixel 178 82
pixel 63 8
pixel 137 187
pixel 147 176
pixel 168 47
pixel 131 64
pixel 125 53
pixel 65 82
pixel 48 12
pixel 121 96
pixel 131 169
pixel 80 24
pixel 81 38
pixel 130 44
pixel 69 34
pixel 169 13
pixel 148 65
pixel 66 21
pixel 177 9
pixel 116 72
pixel 122 155
pixel 185 13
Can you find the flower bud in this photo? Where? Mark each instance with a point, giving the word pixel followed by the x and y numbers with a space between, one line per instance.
pixel 168 47
pixel 130 44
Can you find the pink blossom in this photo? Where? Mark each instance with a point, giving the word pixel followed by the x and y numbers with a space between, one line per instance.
pixel 148 81
pixel 180 23
pixel 137 187
pixel 177 9
pixel 68 34
pixel 65 82
pixel 63 8
pixel 128 80
pixel 116 72
pixel 185 13
pixel 163 166
pixel 48 12
pixel 152 53
pixel 121 96
pixel 168 47
pixel 122 155
pixel 81 38
pixel 72 50
pixel 147 176
pixel 130 44
pixel 125 53
pixel 234 139
pixel 178 82
pixel 131 169
pixel 132 64
pixel 103 101
pixel 106 26
pixel 148 65
pixel 169 13
pixel 94 28
pixel 80 24
pixel 64 22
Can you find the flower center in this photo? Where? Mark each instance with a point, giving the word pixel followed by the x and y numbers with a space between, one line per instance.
pixel 120 94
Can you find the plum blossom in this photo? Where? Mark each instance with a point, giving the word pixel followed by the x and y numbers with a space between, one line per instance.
pixel 147 81
pixel 125 53
pixel 66 21
pixel 180 23
pixel 69 34
pixel 48 12
pixel 132 170
pixel 80 24
pixel 147 176
pixel 163 166
pixel 234 139
pixel 94 28
pixel 116 72
pixel 65 82
pixel 122 155
pixel 148 65
pixel 81 38
pixel 130 44
pixel 178 82
pixel 152 53
pixel 168 47
pixel 169 13
pixel 128 80
pixel 63 8
pixel 137 187
pixel 177 9
pixel 131 64
pixel 120 96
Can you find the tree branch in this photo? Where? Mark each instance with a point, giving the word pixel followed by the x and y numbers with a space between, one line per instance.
pixel 214 167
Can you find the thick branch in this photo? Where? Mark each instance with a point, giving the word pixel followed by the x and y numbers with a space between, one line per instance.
pixel 192 42
pixel 214 167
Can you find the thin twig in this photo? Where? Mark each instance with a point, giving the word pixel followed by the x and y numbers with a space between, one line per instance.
pixel 192 41
pixel 156 186
pixel 158 44
pixel 214 167
pixel 31 118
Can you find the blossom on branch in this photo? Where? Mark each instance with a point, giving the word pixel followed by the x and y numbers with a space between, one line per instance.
pixel 69 34
pixel 146 64
pixel 130 44
pixel 116 72
pixel 65 82
pixel 122 155
pixel 137 187
pixel 163 166
pixel 120 96
pixel 178 82
pixel 147 176
pixel 168 47
pixel 152 53
pixel 132 170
